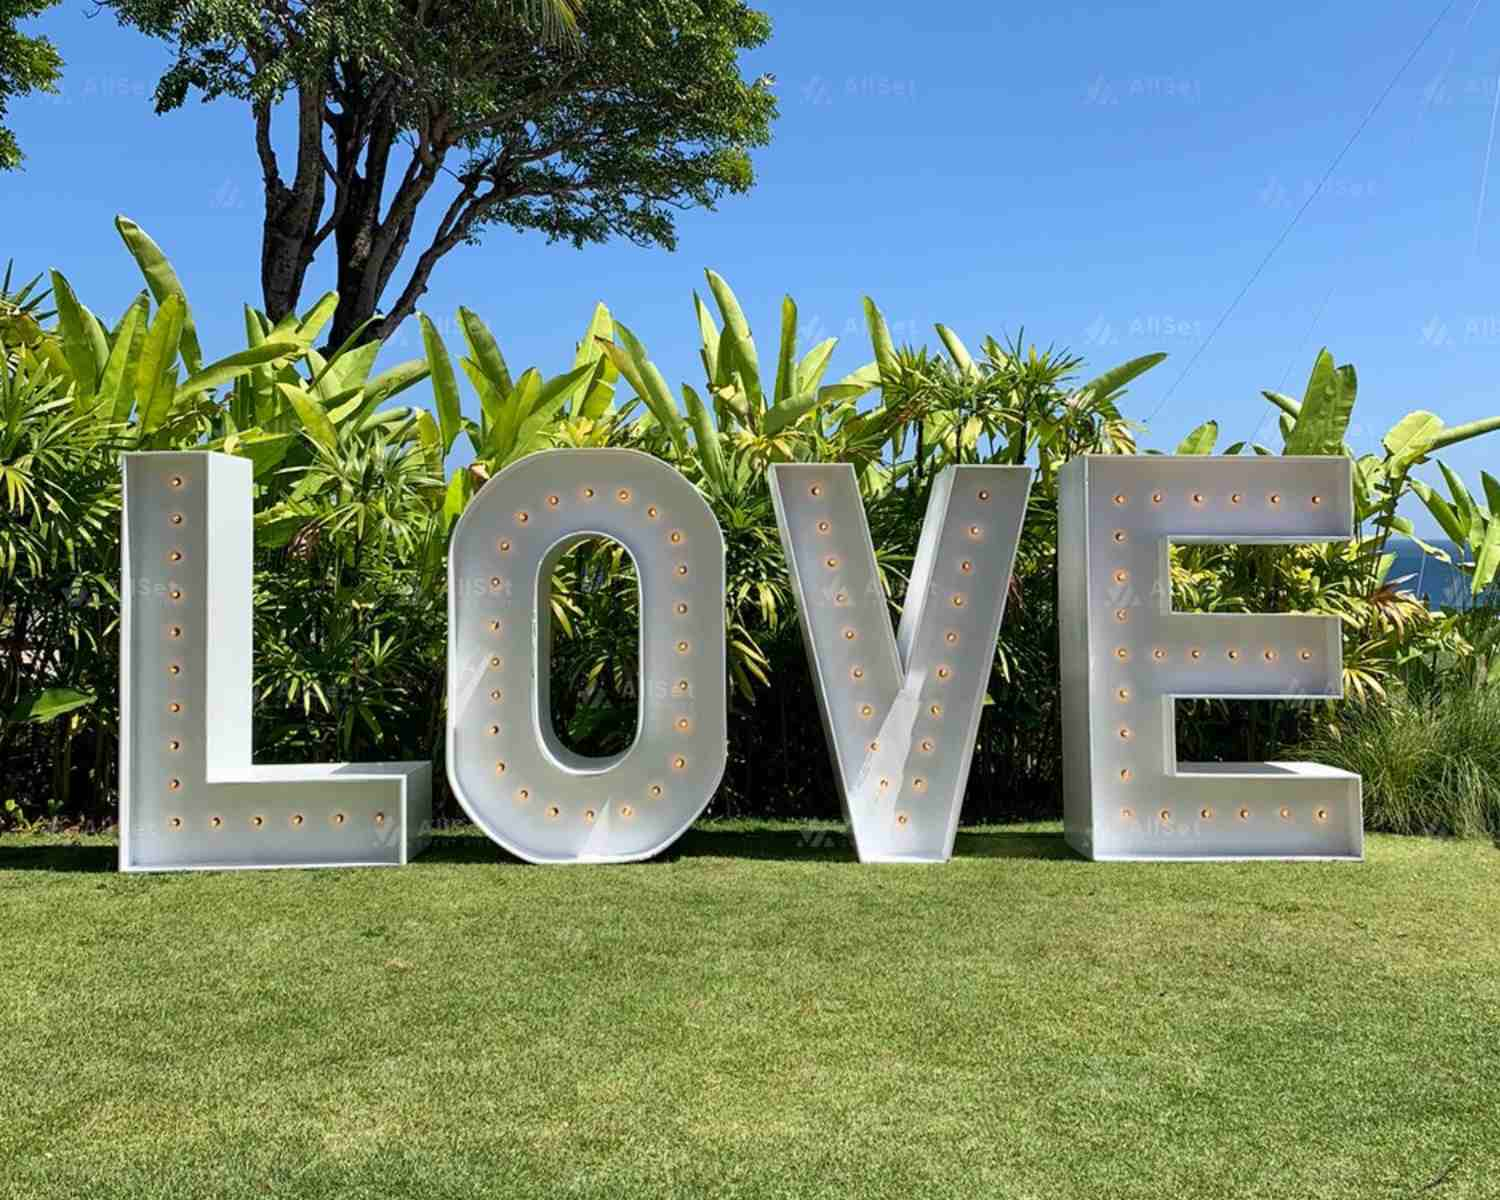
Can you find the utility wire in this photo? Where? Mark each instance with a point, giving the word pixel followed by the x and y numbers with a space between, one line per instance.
pixel 1297 216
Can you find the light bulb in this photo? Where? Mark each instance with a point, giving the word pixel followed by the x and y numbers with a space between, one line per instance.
pixel 874 747
pixel 951 637
pixel 683 724
pixel 495 661
pixel 1165 814
pixel 1122 576
pixel 902 818
pixel 857 673
pixel 1122 653
pixel 588 816
pixel 216 822
pixel 958 601
pixel 626 811
pixel 919 784
pixel 682 685
pixel 1123 694
pixel 380 818
pixel 588 493
pixel 1157 497
pixel 682 568
pixel 494 626
pixel 522 517
pixel 523 794
pixel 494 729
pixel 257 822
pixel 175 631
pixel 984 494
pixel 1206 813
pixel 679 762
pixel 297 819
pixel 1305 655
pixel 175 556
pixel 1322 814
pixel 175 594
pixel 936 710
pixel 966 566
pixel 1244 814
pixel 866 711
pixel 1127 814
pixel 1286 814
pixel 675 537
pixel 682 647
pixel 174 669
pixel 1118 535
pixel 849 635
pixel 174 707
pixel 1234 656
pixel 841 598
pixel 831 563
pixel 1270 656
pixel 1124 774
pixel 553 501
pixel 495 694
pixel 655 789
pixel 1274 498
pixel 174 745
pixel 1159 654
pixel 1122 615
pixel 1197 498
pixel 927 746
pixel 1235 498
pixel 682 609
pixel 1120 499
pixel 553 812
pixel 815 490
pixel 824 526
pixel 1124 734
pixel 175 518
pixel 1317 499
pixel 175 822
pixel 974 531
pixel 1195 654
pixel 496 582
pixel 175 481
pixel 623 495
pixel 943 672
pixel 499 768
pixel 174 785
pixel 651 512
pixel 503 545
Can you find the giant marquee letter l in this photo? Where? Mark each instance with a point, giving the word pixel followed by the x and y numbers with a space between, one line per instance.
pixel 190 796
pixel 901 713
pixel 1127 657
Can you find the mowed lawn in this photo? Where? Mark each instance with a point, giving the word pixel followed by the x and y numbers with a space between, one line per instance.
pixel 754 1015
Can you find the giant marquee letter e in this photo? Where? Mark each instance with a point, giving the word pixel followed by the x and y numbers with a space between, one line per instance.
pixel 901 713
pixel 1127 657
pixel 190 796
pixel 514 777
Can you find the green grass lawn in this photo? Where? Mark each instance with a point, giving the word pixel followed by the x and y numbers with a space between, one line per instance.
pixel 754 1015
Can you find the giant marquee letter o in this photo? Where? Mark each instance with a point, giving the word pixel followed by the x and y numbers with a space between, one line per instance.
pixel 515 779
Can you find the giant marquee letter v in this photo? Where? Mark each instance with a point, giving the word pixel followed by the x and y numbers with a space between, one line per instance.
pixel 901 712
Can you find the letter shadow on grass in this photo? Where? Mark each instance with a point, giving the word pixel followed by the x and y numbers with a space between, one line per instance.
pixel 813 844
pixel 468 845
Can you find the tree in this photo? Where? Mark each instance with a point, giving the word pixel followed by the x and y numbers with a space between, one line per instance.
pixel 27 64
pixel 582 119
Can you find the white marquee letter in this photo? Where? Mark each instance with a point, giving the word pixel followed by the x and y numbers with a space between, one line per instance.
pixel 901 713
pixel 538 799
pixel 189 794
pixel 1126 657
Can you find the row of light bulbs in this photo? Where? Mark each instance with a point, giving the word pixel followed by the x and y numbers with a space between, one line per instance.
pixel 174 633
pixel 1198 499
pixel 296 821
pixel 1207 814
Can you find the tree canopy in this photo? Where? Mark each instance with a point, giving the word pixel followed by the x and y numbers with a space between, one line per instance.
pixel 580 119
pixel 27 64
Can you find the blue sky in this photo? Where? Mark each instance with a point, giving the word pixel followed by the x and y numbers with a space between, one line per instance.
pixel 1108 176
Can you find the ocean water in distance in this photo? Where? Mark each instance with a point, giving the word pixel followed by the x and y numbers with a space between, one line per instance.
pixel 1440 584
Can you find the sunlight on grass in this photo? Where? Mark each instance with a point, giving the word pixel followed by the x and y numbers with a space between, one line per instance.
pixel 754 1014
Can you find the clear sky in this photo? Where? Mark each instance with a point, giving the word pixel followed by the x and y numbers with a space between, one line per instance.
pixel 1108 176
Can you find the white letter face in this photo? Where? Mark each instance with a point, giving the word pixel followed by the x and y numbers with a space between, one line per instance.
pixel 901 713
pixel 1126 657
pixel 518 782
pixel 189 794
